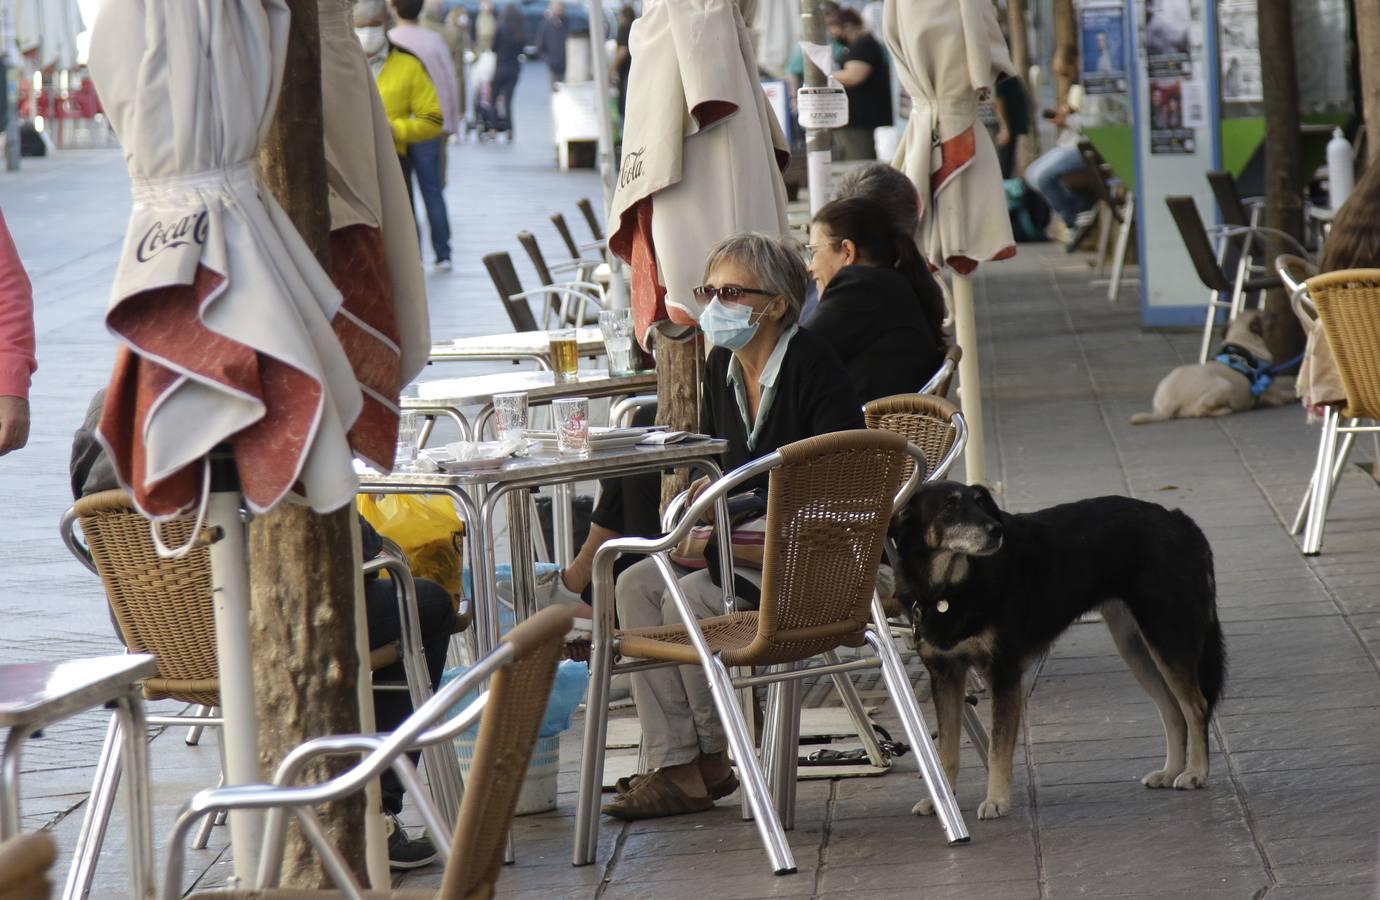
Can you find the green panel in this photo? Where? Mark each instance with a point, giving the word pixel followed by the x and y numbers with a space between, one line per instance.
pixel 1240 139
pixel 1117 147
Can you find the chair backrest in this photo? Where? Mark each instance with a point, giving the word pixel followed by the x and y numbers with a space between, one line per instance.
pixel 24 863
pixel 508 728
pixel 1348 304
pixel 504 276
pixel 587 208
pixel 925 420
pixel 528 240
pixel 1101 172
pixel 563 229
pixel 1228 198
pixel 828 508
pixel 949 367
pixel 162 606
pixel 1197 243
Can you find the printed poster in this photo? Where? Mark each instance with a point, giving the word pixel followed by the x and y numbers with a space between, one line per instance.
pixel 1168 133
pixel 1239 49
pixel 1167 27
pixel 1102 37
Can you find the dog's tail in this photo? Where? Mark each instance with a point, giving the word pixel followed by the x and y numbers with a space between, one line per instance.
pixel 1212 666
pixel 1149 418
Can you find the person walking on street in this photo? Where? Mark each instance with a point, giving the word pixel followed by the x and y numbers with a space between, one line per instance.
pixel 1013 120
pixel 409 98
pixel 17 363
pixel 509 42
pixel 454 29
pixel 622 58
pixel 428 158
pixel 551 37
pixel 866 76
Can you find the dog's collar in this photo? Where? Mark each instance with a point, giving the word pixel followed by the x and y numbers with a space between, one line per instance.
pixel 1237 358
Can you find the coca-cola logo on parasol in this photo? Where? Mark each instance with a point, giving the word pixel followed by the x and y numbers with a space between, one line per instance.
pixel 189 229
pixel 632 167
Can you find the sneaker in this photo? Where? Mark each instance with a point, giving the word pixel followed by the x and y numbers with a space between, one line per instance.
pixel 1082 227
pixel 442 265
pixel 405 852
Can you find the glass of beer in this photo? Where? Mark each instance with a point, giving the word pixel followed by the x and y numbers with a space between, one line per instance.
pixel 564 354
pixel 617 326
pixel 572 425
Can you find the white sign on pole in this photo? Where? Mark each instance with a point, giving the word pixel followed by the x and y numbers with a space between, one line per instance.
pixel 822 107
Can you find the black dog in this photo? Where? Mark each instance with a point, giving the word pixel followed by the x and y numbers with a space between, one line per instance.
pixel 993 590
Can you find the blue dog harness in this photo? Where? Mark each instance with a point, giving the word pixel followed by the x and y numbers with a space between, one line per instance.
pixel 1257 372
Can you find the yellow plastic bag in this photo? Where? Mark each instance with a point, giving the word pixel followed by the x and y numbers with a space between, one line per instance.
pixel 427 528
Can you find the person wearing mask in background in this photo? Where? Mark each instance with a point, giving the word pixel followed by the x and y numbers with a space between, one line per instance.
pixel 866 76
pixel 17 363
pixel 454 29
pixel 509 41
pixel 428 158
pixel 1045 176
pixel 1013 120
pixel 409 98
pixel 879 309
pixel 551 38
pixel 622 58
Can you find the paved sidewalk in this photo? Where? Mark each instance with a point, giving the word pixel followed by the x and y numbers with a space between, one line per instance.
pixel 1290 811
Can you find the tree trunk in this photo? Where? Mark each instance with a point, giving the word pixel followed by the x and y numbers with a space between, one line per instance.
pixel 1018 39
pixel 1065 47
pixel 1368 47
pixel 1283 161
pixel 302 571
pixel 678 366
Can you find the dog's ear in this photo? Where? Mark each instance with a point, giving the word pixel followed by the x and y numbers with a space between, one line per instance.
pixel 985 501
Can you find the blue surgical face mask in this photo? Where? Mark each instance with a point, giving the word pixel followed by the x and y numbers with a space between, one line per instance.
pixel 730 327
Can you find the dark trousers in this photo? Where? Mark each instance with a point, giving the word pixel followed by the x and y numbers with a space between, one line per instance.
pixel 436 616
pixel 426 159
pixel 504 84
pixel 406 165
pixel 1006 157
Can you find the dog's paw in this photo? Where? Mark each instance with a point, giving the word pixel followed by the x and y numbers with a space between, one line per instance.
pixel 1161 778
pixel 993 809
pixel 1190 780
pixel 923 808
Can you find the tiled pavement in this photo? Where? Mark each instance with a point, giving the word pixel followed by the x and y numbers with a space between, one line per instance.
pixel 1291 809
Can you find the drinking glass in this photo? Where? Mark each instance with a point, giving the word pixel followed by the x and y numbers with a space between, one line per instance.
pixel 405 455
pixel 510 416
pixel 564 354
pixel 572 425
pixel 617 326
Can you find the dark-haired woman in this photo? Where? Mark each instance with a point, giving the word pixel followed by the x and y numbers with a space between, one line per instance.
pixel 879 308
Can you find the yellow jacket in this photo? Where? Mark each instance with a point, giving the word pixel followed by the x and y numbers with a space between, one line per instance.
pixel 409 100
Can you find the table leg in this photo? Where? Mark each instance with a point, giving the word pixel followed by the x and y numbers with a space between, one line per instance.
pixel 130 709
pixel 9 782
pixel 563 523
pixel 520 551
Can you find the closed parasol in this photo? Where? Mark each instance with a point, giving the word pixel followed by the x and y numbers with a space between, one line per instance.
pixel 702 155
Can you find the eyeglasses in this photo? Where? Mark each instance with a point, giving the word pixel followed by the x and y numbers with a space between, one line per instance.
pixel 728 293
pixel 812 249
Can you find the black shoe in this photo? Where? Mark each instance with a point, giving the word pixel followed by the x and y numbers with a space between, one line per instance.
pixel 405 852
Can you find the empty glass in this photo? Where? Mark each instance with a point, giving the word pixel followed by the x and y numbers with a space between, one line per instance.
pixel 510 416
pixel 405 454
pixel 572 425
pixel 565 357
pixel 617 326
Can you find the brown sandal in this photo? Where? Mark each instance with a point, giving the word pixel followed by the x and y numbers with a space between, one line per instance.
pixel 717 791
pixel 654 796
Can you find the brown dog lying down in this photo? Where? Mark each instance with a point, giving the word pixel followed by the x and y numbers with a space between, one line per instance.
pixel 1216 389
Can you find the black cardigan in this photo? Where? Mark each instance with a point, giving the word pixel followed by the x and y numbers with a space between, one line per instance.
pixel 876 324
pixel 813 396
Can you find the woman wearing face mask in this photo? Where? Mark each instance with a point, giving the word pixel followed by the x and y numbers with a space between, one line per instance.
pixel 879 307
pixel 767 383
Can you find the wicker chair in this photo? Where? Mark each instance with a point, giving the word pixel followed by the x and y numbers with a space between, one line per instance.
pixel 519 673
pixel 943 377
pixel 24 863
pixel 163 607
pixel 1348 304
pixel 830 500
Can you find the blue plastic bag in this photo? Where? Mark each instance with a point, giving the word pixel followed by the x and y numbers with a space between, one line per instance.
pixel 567 693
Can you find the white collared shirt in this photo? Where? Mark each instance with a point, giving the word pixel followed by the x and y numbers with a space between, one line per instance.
pixel 767 383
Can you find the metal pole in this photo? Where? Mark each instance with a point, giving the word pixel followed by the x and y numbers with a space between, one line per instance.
pixel 819 142
pixel 969 383
pixel 230 593
pixel 9 67
pixel 599 60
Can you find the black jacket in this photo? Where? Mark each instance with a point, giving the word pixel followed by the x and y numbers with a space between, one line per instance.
pixel 876 324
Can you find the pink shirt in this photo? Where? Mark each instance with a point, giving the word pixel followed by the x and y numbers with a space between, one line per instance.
pixel 431 49
pixel 17 361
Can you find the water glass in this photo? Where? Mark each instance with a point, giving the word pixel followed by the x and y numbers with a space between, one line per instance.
pixel 565 357
pixel 405 454
pixel 617 326
pixel 572 425
pixel 510 416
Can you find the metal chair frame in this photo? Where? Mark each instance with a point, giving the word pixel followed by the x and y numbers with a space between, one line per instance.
pixel 574 297
pixel 771 804
pixel 1120 209
pixel 582 282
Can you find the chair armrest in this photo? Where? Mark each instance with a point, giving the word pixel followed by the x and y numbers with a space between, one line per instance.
pixel 671 515
pixel 74 544
pixel 955 449
pixel 622 410
pixel 941 375
pixel 574 265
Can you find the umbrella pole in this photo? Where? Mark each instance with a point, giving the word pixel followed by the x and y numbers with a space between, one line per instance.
pixel 230 593
pixel 599 60
pixel 969 382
